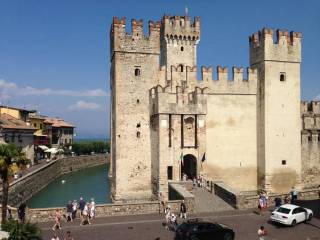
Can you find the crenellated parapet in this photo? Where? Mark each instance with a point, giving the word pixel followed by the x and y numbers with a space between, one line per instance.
pixel 238 82
pixel 284 46
pixel 164 100
pixel 136 40
pixel 180 29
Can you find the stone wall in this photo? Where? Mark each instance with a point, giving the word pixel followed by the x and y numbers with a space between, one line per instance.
pixel 246 200
pixel 105 210
pixel 27 186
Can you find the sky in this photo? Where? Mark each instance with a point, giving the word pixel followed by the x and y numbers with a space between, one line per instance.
pixel 54 54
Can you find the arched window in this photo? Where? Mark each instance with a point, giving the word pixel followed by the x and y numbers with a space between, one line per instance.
pixel 181 49
pixel 282 77
pixel 138 134
pixel 137 72
pixel 181 68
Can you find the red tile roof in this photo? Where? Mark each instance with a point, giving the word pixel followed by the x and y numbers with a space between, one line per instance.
pixel 58 122
pixel 9 122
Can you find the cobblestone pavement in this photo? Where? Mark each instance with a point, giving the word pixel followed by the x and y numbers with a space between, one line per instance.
pixel 150 227
pixel 209 202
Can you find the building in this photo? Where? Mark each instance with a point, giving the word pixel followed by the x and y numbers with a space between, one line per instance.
pixel 18 113
pixel 17 132
pixel 241 129
pixel 62 132
pixel 40 135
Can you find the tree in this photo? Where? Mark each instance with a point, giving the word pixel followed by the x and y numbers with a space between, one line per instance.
pixel 21 231
pixel 8 154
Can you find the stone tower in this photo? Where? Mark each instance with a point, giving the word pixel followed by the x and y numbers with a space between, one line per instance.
pixel 278 108
pixel 134 66
pixel 179 39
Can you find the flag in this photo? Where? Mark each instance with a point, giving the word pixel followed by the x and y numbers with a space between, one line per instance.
pixel 181 159
pixel 203 157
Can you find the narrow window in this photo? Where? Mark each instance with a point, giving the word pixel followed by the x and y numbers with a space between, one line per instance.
pixel 138 134
pixel 181 49
pixel 309 106
pixel 181 68
pixel 284 162
pixel 138 125
pixel 40 125
pixel 282 77
pixel 35 125
pixel 310 138
pixel 169 172
pixel 138 101
pixel 137 72
pixel 319 137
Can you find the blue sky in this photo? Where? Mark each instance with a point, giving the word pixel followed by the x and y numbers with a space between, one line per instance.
pixel 54 54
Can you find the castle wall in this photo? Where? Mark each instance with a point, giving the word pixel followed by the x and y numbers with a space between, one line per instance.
pixel 310 142
pixel 231 140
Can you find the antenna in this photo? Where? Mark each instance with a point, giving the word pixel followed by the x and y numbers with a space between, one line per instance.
pixel 186 11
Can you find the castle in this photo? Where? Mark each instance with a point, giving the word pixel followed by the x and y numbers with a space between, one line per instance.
pixel 244 130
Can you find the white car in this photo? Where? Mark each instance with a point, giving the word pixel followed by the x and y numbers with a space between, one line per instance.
pixel 289 214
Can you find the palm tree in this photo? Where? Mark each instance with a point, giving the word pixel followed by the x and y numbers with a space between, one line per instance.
pixel 8 153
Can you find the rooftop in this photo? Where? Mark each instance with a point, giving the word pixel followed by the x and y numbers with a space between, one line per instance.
pixel 19 109
pixel 58 122
pixel 9 122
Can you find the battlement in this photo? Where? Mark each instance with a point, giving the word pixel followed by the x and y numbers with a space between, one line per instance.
pixel 310 108
pixel 136 40
pixel 284 46
pixel 181 28
pixel 310 137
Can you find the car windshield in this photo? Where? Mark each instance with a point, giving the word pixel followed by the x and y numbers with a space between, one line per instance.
pixel 283 210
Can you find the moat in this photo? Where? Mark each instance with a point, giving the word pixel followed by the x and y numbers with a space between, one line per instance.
pixel 87 183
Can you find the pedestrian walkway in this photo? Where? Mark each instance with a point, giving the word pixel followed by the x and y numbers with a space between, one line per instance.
pixel 209 202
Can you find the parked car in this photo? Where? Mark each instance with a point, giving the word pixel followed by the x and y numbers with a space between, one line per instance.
pixel 197 229
pixel 289 214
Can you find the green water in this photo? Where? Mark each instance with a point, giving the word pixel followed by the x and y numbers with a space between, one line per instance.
pixel 88 183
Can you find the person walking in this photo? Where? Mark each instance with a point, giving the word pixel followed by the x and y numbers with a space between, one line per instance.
pixel 183 210
pixel 161 203
pixel 22 212
pixel 68 236
pixel 92 209
pixel 173 221
pixel 277 202
pixel 262 232
pixel 57 219
pixel 85 215
pixel 74 209
pixel 82 204
pixel 294 195
pixel 168 216
pixel 69 211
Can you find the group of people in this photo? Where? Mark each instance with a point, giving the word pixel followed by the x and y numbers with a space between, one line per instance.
pixel 68 236
pixel 199 181
pixel 171 218
pixel 86 212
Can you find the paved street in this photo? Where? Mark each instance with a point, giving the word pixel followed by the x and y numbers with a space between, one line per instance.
pixel 143 227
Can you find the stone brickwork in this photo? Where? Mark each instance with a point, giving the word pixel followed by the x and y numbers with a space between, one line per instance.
pixel 27 186
pixel 243 128
pixel 310 140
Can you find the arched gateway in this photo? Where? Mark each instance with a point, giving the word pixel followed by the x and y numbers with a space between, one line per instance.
pixel 189 166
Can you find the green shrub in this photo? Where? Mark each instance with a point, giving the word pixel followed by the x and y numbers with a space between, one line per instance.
pixel 87 147
pixel 21 231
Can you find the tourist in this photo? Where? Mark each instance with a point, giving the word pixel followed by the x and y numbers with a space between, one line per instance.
pixel 92 209
pixel 183 210
pixel 74 209
pixel 85 215
pixel 68 236
pixel 168 216
pixel 57 219
pixel 184 177
pixel 261 233
pixel 286 199
pixel 194 182
pixel 262 203
pixel 173 221
pixel 277 202
pixel 22 212
pixel 82 204
pixel 69 211
pixel 55 237
pixel 294 195
pixel 161 203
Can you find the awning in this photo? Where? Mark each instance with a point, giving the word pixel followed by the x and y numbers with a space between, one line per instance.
pixel 54 150
pixel 43 147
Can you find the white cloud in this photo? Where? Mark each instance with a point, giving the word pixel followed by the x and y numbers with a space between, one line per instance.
pixel 8 89
pixel 83 105
pixel 317 98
